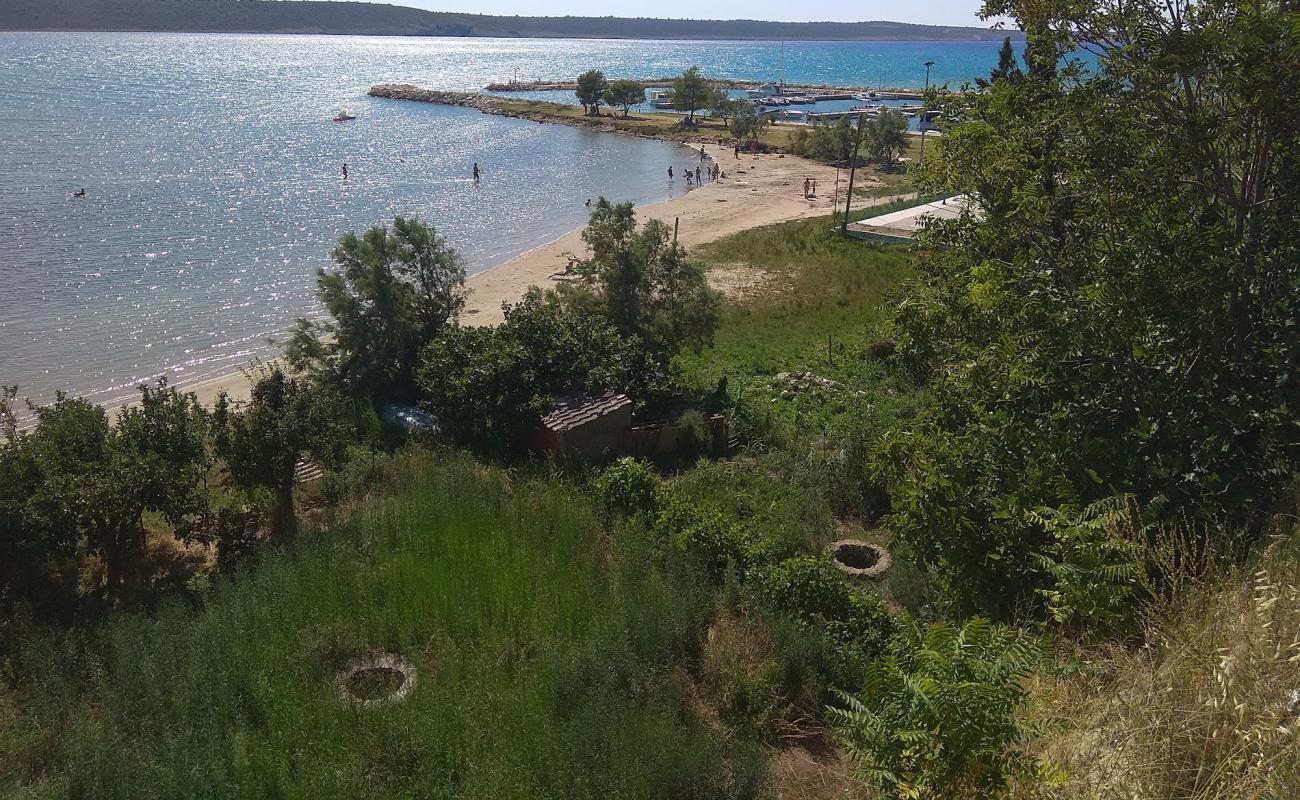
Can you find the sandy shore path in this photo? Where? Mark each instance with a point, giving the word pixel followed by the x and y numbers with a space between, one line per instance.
pixel 757 190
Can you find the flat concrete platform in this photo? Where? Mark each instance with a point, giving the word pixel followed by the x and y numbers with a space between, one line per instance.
pixel 902 226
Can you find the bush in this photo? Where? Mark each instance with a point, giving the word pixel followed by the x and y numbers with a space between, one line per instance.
pixel 708 538
pixel 696 438
pixel 939 717
pixel 626 488
pixel 806 587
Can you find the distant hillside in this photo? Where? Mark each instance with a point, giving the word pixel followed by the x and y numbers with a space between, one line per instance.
pixel 280 16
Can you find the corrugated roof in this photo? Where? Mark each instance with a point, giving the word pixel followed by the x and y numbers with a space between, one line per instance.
pixel 578 410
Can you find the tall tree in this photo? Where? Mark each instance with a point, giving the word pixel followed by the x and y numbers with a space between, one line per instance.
pixel 649 287
pixel 746 123
pixel 1116 316
pixel 1008 67
pixel 886 137
pixel 691 92
pixel 392 293
pixel 285 421
pixel 591 90
pixel 624 94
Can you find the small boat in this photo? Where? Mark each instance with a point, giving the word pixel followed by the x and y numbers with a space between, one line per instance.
pixel 662 99
pixel 343 116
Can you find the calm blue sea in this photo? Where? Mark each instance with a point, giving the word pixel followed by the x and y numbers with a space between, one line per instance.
pixel 213 176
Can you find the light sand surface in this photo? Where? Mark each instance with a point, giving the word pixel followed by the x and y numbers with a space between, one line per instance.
pixel 758 190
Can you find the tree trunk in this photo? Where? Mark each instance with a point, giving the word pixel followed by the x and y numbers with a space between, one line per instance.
pixel 284 523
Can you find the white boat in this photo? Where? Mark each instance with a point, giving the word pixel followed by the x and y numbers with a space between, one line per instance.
pixel 662 99
pixel 765 91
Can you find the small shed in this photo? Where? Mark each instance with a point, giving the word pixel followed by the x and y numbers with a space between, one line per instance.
pixel 584 427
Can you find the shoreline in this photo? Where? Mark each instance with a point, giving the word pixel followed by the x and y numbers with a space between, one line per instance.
pixel 758 190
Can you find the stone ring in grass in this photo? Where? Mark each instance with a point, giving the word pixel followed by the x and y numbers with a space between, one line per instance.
pixel 859 559
pixel 377 679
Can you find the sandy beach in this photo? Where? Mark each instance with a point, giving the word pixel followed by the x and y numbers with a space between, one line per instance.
pixel 757 190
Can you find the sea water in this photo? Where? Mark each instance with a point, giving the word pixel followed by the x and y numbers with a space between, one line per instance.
pixel 214 189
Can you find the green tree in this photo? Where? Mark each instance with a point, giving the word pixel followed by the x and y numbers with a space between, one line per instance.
pixel 285 421
pixel 886 137
pixel 1116 315
pixel 827 142
pixel 74 479
pixel 393 292
pixel 746 123
pixel 1008 67
pixel 624 94
pixel 648 286
pixel 691 92
pixel 487 386
pixel 939 719
pixel 591 90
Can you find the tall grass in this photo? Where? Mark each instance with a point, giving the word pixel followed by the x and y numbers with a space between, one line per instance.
pixel 1208 708
pixel 549 665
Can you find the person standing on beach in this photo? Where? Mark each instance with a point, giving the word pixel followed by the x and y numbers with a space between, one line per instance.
pixel 814 191
pixel 806 183
pixel 477 174
pixel 345 170
pixel 697 176
pixel 737 153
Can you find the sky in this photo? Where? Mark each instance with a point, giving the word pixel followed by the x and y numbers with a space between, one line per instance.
pixel 930 12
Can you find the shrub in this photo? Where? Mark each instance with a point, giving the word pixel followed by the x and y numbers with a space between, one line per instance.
pixel 807 587
pixel 710 539
pixel 939 717
pixel 696 437
pixel 626 488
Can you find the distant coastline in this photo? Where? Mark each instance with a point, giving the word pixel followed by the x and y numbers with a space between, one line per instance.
pixel 372 19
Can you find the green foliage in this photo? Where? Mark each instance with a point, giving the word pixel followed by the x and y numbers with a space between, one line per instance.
pixel 546 667
pixel 830 142
pixel 627 488
pixel 885 136
pixel 648 287
pixel 695 437
pixel 624 94
pixel 1118 319
pixel 487 386
pixel 939 717
pixel 709 539
pixel 286 420
pixel 808 588
pixel 394 291
pixel 591 90
pixel 75 480
pixel 744 121
pixel 1008 67
pixel 691 92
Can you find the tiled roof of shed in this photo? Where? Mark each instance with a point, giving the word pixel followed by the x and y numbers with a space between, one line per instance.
pixel 573 412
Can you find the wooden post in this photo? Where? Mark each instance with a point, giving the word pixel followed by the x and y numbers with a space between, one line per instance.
pixel 853 169
pixel 830 355
pixel 677 221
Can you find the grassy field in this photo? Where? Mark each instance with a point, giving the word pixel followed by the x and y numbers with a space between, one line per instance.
pixel 811 301
pixel 549 665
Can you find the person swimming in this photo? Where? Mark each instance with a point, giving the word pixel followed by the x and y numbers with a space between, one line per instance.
pixel 79 193
pixel 588 202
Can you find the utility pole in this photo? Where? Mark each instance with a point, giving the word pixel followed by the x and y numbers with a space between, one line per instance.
pixel 853 169
pixel 925 117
